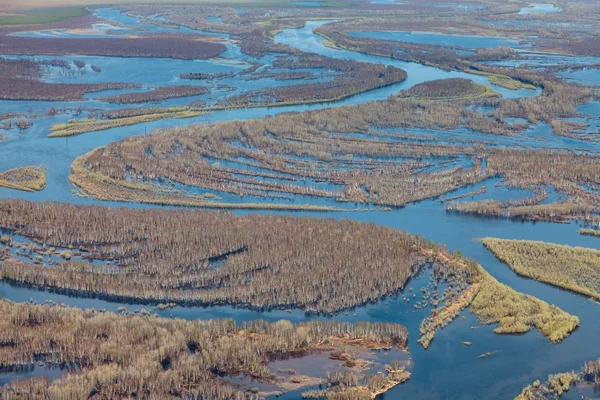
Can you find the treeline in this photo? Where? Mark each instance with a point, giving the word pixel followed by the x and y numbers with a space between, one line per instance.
pixel 281 76
pixel 554 387
pixel 157 94
pixel 29 89
pixel 516 312
pixel 448 89
pixel 255 261
pixel 582 46
pixel 23 68
pixel 559 99
pixel 185 47
pixel 19 81
pixel 118 356
pixel 573 130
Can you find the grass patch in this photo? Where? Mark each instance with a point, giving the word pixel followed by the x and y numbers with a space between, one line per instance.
pixel 454 89
pixel 77 127
pixel 495 303
pixel 39 16
pixel 589 232
pixel 28 179
pixel 502 80
pixel 515 312
pixel 573 268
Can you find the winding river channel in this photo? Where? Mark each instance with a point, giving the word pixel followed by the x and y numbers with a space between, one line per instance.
pixel 447 369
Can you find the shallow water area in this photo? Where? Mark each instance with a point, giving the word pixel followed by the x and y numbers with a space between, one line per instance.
pixel 30 371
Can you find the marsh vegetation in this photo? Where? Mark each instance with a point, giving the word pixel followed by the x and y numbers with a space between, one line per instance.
pixel 115 119
pixel 573 268
pixel 28 179
pixel 457 89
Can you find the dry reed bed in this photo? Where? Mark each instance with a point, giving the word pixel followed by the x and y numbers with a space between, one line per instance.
pixel 573 268
pixel 118 356
pixel 115 119
pixel 28 179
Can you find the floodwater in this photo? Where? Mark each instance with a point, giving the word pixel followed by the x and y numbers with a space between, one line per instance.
pixel 447 369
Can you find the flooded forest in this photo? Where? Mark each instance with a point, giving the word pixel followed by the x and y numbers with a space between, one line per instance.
pixel 329 199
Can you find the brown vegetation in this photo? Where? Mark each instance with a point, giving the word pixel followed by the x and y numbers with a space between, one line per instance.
pixel 117 356
pixel 29 89
pixel 573 175
pixel 256 261
pixel 20 68
pixel 184 47
pixel 117 118
pixel 350 78
pixel 448 89
pixel 19 81
pixel 158 94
